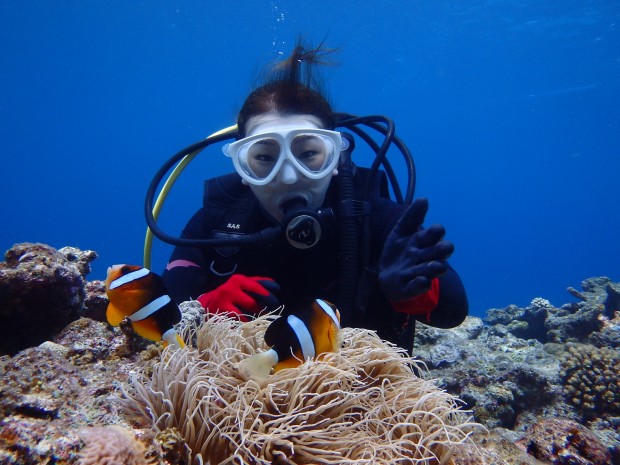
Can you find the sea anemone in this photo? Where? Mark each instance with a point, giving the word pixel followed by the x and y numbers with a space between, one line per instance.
pixel 363 404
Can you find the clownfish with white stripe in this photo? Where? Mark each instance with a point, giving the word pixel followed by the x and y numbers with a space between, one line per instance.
pixel 140 295
pixel 295 337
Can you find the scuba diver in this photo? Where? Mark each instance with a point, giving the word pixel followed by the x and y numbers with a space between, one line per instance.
pixel 299 221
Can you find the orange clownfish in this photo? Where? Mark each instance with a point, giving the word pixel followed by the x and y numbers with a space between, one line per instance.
pixel 140 295
pixel 296 337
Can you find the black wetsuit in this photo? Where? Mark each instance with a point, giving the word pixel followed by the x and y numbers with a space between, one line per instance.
pixel 231 208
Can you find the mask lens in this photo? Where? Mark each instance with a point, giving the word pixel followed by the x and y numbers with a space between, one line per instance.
pixel 313 152
pixel 259 157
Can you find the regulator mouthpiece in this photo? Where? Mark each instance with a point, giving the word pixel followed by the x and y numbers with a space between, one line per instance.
pixel 302 227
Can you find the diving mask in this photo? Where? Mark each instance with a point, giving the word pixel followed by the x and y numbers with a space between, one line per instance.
pixel 314 152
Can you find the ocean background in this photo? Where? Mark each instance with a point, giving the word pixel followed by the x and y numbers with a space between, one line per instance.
pixel 510 108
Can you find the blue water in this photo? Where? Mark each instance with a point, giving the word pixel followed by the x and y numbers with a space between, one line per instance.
pixel 511 108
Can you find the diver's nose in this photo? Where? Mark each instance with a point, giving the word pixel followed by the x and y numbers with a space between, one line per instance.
pixel 288 173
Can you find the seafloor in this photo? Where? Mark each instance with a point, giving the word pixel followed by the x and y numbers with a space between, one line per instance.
pixel 542 380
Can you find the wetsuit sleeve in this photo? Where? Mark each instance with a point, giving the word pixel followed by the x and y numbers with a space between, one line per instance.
pixel 186 274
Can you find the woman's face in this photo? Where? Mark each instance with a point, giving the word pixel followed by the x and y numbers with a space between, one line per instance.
pixel 289 183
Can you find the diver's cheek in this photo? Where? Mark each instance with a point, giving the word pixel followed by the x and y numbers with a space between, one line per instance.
pixel 268 200
pixel 317 192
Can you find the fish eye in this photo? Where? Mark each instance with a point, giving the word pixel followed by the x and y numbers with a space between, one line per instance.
pixel 125 269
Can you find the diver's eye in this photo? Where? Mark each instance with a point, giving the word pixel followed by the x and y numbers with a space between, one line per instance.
pixel 264 148
pixel 264 157
pixel 308 154
pixel 310 150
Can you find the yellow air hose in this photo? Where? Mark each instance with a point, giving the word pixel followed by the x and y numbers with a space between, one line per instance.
pixel 148 240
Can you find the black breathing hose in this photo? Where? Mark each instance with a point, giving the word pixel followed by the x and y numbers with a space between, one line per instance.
pixel 349 237
pixel 352 122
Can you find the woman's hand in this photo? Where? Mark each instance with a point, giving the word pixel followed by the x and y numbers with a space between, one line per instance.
pixel 413 256
pixel 241 296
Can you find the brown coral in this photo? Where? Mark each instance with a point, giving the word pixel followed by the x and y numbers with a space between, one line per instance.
pixel 111 445
pixel 561 441
pixel 361 405
pixel 41 291
pixel 591 381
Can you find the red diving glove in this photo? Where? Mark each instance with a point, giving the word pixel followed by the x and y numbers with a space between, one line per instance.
pixel 421 304
pixel 241 295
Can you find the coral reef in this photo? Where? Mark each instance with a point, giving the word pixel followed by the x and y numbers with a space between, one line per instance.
pixel 95 301
pixel 590 320
pixel 361 405
pixel 111 445
pixel 511 382
pixel 51 391
pixel 523 372
pixel 41 291
pixel 591 378
pixel 561 441
pixel 503 379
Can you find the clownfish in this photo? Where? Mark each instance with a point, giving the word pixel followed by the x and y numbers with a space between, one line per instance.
pixel 140 295
pixel 296 337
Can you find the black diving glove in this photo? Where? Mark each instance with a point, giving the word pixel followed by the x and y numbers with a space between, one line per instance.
pixel 413 256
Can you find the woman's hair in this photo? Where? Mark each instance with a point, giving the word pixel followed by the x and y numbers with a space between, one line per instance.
pixel 292 89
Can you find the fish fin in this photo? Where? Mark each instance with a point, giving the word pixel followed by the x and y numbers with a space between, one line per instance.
pixel 148 329
pixel 114 314
pixel 339 340
pixel 258 366
pixel 171 337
